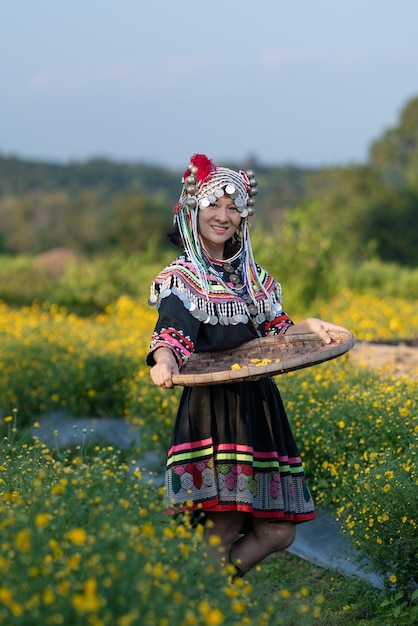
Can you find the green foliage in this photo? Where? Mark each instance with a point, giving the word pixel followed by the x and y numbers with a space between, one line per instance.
pixel 303 255
pixel 135 221
pixel 23 280
pixel 365 217
pixel 358 440
pixel 88 222
pixel 343 196
pixel 45 373
pixel 379 517
pixel 391 225
pixel 19 178
pixel 373 277
pixel 395 154
pixel 83 285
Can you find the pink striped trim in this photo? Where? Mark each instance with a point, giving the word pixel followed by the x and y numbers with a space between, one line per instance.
pixel 190 445
pixel 260 455
pixel 232 447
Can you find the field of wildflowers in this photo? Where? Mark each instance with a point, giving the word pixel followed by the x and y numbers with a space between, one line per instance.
pixel 94 555
pixel 84 542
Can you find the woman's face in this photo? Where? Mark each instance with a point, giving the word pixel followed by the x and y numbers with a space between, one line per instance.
pixel 217 224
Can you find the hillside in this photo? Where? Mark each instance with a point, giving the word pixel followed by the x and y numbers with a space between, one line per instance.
pixel 281 186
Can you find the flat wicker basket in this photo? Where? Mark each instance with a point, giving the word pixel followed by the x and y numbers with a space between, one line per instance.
pixel 262 357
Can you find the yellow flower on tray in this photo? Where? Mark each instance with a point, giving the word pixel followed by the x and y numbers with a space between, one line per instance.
pixel 254 362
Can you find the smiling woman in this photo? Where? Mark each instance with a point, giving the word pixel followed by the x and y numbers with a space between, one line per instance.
pixel 217 224
pixel 233 460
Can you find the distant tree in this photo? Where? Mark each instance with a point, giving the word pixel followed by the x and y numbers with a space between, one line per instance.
pixel 19 177
pixel 373 209
pixel 343 196
pixel 395 154
pixel 135 220
pixel 390 225
pixel 17 235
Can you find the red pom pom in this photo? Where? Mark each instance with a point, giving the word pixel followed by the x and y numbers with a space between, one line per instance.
pixel 204 165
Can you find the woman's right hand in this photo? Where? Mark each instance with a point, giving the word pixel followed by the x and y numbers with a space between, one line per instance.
pixel 165 367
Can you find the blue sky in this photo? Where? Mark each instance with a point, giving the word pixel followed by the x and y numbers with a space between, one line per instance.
pixel 302 82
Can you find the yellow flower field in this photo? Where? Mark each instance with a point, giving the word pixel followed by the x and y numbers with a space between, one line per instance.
pixel 357 432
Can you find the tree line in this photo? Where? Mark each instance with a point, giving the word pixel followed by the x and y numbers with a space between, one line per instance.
pixel 369 210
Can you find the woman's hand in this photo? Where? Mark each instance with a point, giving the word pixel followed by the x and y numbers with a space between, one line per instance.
pixel 164 369
pixel 317 326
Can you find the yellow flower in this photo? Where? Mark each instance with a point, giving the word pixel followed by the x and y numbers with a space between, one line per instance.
pixel 88 601
pixel 148 530
pixel 5 595
pixel 172 575
pixel 77 536
pixel 22 540
pixel 238 606
pixel 178 597
pixel 214 540
pixel 235 366
pixel 214 617
pixel 48 596
pixel 42 520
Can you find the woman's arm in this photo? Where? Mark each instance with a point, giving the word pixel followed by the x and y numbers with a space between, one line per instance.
pixel 317 326
pixel 165 367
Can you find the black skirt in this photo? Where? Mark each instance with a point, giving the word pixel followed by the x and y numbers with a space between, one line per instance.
pixel 233 450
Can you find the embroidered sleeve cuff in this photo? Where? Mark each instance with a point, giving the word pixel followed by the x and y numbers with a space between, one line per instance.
pixel 279 325
pixel 181 345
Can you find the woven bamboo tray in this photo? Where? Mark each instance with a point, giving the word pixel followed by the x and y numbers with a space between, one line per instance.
pixel 262 357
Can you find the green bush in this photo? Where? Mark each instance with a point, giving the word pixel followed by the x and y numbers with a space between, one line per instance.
pixel 358 438
pixel 23 281
pixel 382 279
pixel 380 516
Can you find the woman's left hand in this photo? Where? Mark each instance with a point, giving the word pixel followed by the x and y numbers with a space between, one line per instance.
pixel 317 326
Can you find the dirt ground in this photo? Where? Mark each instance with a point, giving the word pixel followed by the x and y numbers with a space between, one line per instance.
pixel 394 360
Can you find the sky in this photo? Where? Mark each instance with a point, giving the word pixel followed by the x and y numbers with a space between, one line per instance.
pixel 304 83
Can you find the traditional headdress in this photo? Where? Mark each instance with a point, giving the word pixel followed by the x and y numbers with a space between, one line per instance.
pixel 203 183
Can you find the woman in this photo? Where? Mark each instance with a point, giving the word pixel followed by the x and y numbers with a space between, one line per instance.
pixel 232 456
